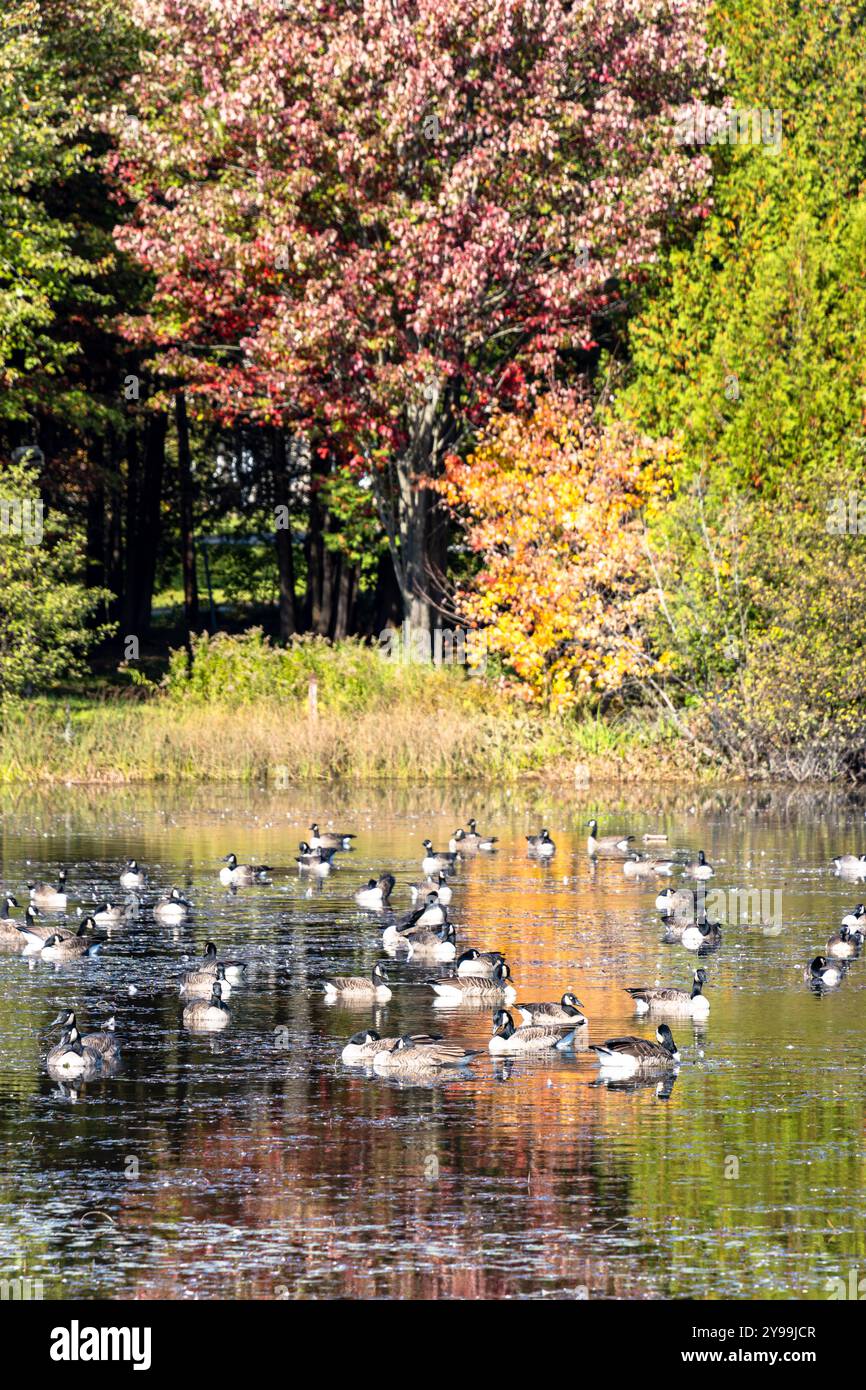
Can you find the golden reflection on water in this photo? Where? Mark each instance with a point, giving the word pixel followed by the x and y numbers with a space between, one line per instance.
pixel 264 1168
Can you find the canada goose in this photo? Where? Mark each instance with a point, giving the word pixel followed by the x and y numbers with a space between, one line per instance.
pixel 552 1015
pixel 314 861
pixel 632 1056
pixel 636 868
pixel 208 1014
pixel 433 943
pixel 606 846
pixel 235 875
pixel 440 886
pixel 432 914
pixel 104 1042
pixel 71 1058
pixel 198 984
pixel 35 934
pixel 357 989
pixel 363 1046
pixel 508 1039
pixel 702 936
pixel 673 1001
pixel 48 897
pixel 850 865
pixel 172 908
pixel 435 862
pixel 209 964
pixel 541 844
pixel 408 1058
pixel 475 840
pixel 475 962
pixel 699 868
pixel 330 840
pixel 844 944
pixel 457 844
pixel 823 973
pixel 132 876
pixel 476 989
pixel 108 914
pixel 10 930
pixel 678 902
pixel 855 918
pixel 375 896
pixel 63 946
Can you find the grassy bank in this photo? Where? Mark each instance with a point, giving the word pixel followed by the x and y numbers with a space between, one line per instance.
pixel 244 713
pixel 120 741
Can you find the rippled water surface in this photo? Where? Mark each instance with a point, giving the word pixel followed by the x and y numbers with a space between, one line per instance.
pixel 253 1164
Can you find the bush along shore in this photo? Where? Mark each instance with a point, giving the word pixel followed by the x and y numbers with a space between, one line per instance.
pixel 247 710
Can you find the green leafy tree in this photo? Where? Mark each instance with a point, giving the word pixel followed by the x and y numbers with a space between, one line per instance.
pixel 46 611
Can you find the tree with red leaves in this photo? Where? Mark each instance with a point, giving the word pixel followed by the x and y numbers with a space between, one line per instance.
pixel 377 221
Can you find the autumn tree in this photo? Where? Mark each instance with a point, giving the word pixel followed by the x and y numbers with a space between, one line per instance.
pixel 374 221
pixel 554 506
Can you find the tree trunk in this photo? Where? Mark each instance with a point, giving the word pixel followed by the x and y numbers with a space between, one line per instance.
pixel 285 553
pixel 319 558
pixel 345 599
pixel 145 470
pixel 414 520
pixel 187 537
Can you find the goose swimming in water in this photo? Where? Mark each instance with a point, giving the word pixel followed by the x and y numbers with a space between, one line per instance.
pixel 625 1057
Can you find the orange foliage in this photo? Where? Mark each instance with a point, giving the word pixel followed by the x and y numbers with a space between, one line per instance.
pixel 555 507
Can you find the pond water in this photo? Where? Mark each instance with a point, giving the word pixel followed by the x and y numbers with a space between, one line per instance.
pixel 253 1164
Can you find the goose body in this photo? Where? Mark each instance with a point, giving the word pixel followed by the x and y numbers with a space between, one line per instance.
pixel 476 989
pixel 699 868
pixel 314 861
pixel 541 844
pixel 567 1011
pixel 410 1058
pixel 823 973
pixel 624 1057
pixel 844 944
pixel 475 962
pixel 607 846
pixel 678 902
pixel 66 946
pixel 10 930
pixel 207 1015
pixel 198 984
pixel 856 918
pixel 703 936
pixel 475 840
pixel 49 897
pixel 508 1040
pixel 103 1043
pixel 132 876
pixel 431 915
pixel 362 1047
pixel 435 862
pixel 358 988
pixel 210 964
pixel 330 840
pixel 108 914
pixel 850 865
pixel 173 908
pixel 235 875
pixel 376 894
pixel 433 943
pixel 70 1057
pixel 440 886
pixel 690 1004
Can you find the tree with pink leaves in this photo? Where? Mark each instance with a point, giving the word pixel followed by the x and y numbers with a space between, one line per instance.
pixel 376 221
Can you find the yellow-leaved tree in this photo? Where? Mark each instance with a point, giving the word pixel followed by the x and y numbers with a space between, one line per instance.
pixel 555 504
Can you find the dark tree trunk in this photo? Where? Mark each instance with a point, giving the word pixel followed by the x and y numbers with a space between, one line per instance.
pixel 96 520
pixel 345 598
pixel 146 469
pixel 387 602
pixel 285 553
pixel 187 537
pixel 319 578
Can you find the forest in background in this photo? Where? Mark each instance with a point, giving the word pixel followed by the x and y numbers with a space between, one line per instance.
pixel 540 321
